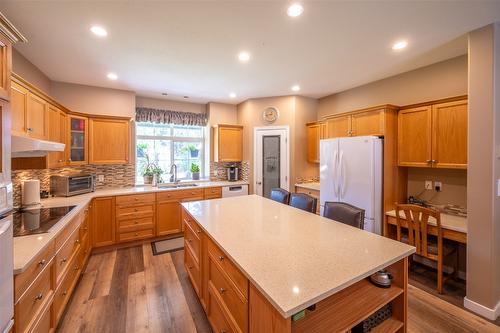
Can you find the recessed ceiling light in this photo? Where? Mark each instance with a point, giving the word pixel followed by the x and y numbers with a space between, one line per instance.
pixel 296 87
pixel 399 45
pixel 244 56
pixel 112 76
pixel 295 10
pixel 98 31
pixel 164 94
pixel 186 97
pixel 232 95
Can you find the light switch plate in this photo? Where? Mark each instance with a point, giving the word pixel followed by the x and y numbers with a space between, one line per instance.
pixel 428 184
pixel 498 187
pixel 100 178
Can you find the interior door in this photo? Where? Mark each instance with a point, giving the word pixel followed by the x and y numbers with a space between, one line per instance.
pixel 271 160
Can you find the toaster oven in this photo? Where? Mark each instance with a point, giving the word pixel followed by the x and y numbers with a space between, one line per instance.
pixel 66 186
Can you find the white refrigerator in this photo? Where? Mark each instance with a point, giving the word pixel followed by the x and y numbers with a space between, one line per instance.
pixel 351 172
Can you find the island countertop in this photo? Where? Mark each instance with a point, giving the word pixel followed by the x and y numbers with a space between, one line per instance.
pixel 294 258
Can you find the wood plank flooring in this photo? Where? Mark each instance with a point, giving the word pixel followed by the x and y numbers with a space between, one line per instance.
pixel 130 290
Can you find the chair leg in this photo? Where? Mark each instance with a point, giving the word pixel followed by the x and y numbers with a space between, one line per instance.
pixel 440 275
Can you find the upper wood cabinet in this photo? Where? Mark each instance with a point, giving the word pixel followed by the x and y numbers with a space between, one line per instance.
pixel 37 124
pixel 77 143
pixel 313 137
pixel 5 67
pixel 109 141
pixel 338 126
pixel 367 123
pixel 19 106
pixel 57 133
pixel 228 143
pixel 433 135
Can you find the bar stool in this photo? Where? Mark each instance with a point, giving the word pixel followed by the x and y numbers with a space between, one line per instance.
pixel 304 202
pixel 345 213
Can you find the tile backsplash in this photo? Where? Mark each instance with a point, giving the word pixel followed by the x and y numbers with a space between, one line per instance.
pixel 218 170
pixel 115 175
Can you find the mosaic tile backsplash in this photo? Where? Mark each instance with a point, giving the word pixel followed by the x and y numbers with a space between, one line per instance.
pixel 115 175
pixel 218 170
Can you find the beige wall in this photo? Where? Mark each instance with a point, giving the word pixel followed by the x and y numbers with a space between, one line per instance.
pixel 157 103
pixel 29 72
pixel 483 237
pixel 454 182
pixel 220 113
pixel 250 116
pixel 305 112
pixel 440 80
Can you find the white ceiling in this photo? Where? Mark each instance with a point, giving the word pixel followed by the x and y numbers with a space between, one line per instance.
pixel 190 47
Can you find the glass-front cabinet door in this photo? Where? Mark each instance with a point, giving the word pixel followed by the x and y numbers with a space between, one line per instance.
pixel 78 140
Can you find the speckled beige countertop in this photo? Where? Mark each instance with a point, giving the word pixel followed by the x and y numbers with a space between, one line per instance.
pixel 450 222
pixel 310 186
pixel 27 247
pixel 294 258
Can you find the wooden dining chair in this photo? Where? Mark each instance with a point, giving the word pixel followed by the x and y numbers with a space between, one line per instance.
pixel 280 195
pixel 427 246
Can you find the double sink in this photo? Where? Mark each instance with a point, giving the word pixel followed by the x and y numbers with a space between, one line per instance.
pixel 174 185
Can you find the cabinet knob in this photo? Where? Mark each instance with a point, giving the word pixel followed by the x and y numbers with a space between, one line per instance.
pixel 60 161
pixel 221 258
pixel 64 260
pixel 30 129
pixel 222 291
pixel 77 268
pixel 64 293
pixel 428 161
pixel 190 267
pixel 190 240
pixel 137 234
pixel 136 210
pixel 434 161
pixel 198 231
pixel 38 297
pixel 42 262
pixel 77 241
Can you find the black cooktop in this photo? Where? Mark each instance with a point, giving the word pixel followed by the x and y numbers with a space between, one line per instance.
pixel 37 221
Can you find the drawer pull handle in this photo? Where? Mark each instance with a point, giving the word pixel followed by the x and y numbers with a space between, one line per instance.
pixel 190 240
pixel 64 293
pixel 222 291
pixel 190 267
pixel 221 258
pixel 64 260
pixel 137 234
pixel 85 228
pixel 428 161
pixel 39 297
pixel 222 330
pixel 77 268
pixel 136 199
pixel 42 262
pixel 198 231
pixel 77 241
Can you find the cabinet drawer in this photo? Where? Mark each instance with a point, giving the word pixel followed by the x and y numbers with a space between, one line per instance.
pixel 192 241
pixel 84 228
pixel 68 230
pixel 193 270
pixel 64 256
pixel 63 292
pixel 213 192
pixel 182 195
pixel 233 299
pixel 135 235
pixel 44 323
pixel 123 213
pixel 187 219
pixel 33 301
pixel 228 267
pixel 84 251
pixel 312 193
pixel 135 224
pixel 23 280
pixel 126 200
pixel 215 313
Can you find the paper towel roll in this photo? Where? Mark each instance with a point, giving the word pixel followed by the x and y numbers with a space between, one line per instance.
pixel 30 192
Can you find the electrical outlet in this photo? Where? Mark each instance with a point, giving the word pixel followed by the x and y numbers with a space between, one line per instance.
pixel 428 184
pixel 438 186
pixel 100 178
pixel 498 187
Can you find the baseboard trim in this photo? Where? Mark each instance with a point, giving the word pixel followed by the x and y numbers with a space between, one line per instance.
pixel 491 314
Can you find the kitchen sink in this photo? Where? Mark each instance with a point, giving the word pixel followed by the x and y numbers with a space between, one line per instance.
pixel 172 185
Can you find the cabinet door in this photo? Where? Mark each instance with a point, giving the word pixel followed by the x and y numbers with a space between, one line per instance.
pixel 37 117
pixel 57 133
pixel 368 123
pixel 168 217
pixel 5 67
pixel 103 221
pixel 414 137
pixel 109 141
pixel 19 105
pixel 77 140
pixel 338 127
pixel 313 135
pixel 230 143
pixel 323 134
pixel 449 135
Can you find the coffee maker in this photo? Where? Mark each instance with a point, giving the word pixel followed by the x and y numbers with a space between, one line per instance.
pixel 233 173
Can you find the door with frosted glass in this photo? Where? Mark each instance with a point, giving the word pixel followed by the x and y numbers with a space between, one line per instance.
pixel 271 161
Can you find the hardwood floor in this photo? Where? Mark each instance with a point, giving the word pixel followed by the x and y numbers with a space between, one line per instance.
pixel 130 290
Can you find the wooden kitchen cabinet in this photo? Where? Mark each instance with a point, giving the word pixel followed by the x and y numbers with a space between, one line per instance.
pixel 368 123
pixel 103 221
pixel 77 152
pixel 5 67
pixel 57 133
pixel 228 143
pixel 109 141
pixel 338 126
pixel 168 208
pixel 313 137
pixel 433 135
pixel 37 123
pixel 19 105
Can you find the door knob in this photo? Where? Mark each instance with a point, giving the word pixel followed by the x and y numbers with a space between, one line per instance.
pixel 259 183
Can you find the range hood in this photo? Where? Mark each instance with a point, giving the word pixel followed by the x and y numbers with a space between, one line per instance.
pixel 28 147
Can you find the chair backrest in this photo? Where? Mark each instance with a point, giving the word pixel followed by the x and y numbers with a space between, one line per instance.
pixel 304 202
pixel 280 195
pixel 345 213
pixel 417 219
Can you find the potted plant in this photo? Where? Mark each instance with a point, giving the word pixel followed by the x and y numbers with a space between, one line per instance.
pixel 142 149
pixel 195 171
pixel 149 170
pixel 193 150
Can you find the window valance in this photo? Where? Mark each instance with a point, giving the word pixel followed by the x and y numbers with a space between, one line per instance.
pixel 159 116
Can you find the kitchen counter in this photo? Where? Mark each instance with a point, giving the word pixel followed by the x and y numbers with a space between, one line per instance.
pixel 450 222
pixel 315 186
pixel 27 247
pixel 294 258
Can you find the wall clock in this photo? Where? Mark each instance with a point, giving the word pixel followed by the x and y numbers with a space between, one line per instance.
pixel 270 114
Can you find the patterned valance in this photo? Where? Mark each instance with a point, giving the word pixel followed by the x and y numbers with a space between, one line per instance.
pixel 170 117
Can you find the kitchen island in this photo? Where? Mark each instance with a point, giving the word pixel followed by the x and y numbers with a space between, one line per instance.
pixel 261 266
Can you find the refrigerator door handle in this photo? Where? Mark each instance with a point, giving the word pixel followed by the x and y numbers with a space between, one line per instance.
pixel 335 167
pixel 342 177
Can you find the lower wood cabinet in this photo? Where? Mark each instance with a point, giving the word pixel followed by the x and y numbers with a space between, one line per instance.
pixel 168 215
pixel 103 221
pixel 135 217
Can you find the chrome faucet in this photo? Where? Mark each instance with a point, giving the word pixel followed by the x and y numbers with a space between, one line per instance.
pixel 173 173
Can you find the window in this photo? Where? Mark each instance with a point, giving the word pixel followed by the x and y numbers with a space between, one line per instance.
pixel 164 144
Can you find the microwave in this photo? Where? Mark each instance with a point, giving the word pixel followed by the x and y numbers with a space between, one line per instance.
pixel 66 186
